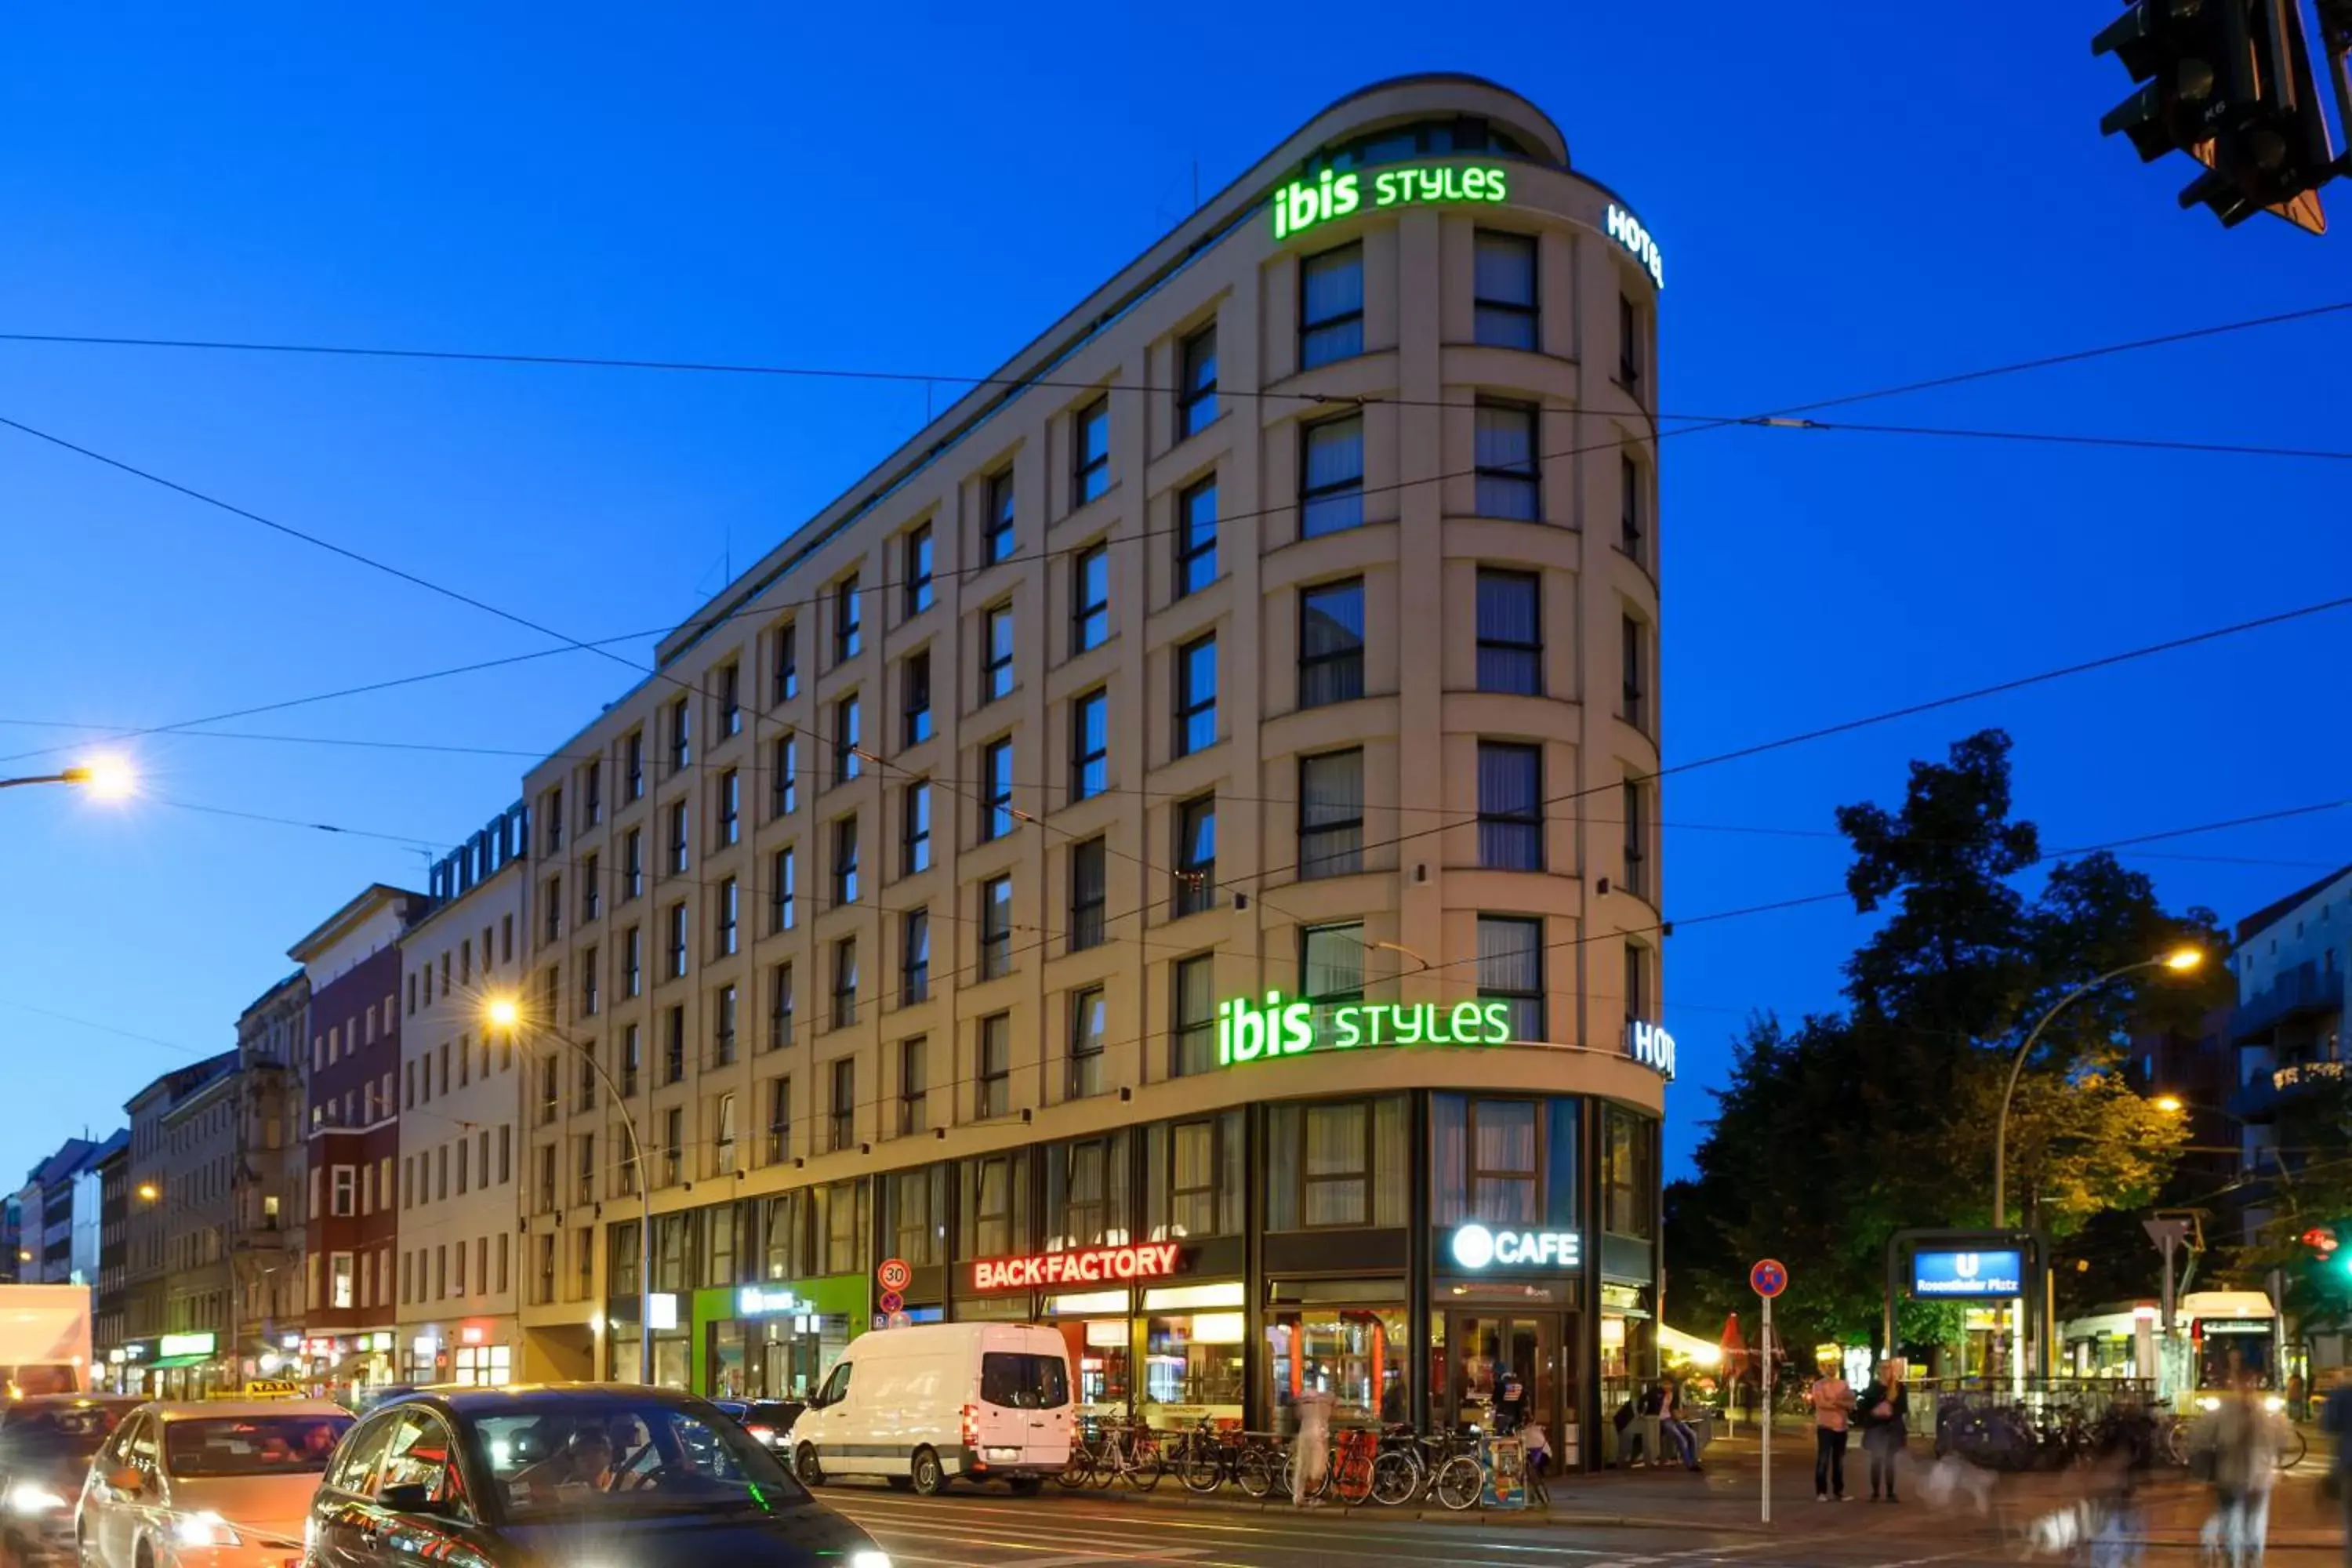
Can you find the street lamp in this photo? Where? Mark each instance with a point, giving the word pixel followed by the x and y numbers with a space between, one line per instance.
pixel 506 1013
pixel 108 778
pixel 2180 961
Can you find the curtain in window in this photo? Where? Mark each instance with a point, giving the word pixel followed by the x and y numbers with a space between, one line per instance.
pixel 1510 804
pixel 1510 955
pixel 1449 1159
pixel 1505 1154
pixel 1331 815
pixel 1192 1207
pixel 1331 645
pixel 1332 285
pixel 1509 632
pixel 1504 269
pixel 1334 480
pixel 1335 1164
pixel 1196 1012
pixel 1333 963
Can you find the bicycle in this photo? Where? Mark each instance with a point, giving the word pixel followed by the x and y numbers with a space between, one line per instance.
pixel 1130 1453
pixel 1416 1469
pixel 1261 1465
pixel 1205 1456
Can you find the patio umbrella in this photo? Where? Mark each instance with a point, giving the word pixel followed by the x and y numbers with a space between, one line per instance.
pixel 1735 1347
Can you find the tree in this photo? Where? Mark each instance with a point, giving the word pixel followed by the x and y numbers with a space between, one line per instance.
pixel 1832 1136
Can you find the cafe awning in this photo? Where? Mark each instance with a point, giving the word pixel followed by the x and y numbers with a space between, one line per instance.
pixel 1706 1352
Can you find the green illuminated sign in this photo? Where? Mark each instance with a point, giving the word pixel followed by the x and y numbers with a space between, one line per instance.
pixel 1303 203
pixel 1248 1033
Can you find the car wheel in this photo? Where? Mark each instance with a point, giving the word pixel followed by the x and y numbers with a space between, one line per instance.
pixel 930 1477
pixel 1027 1485
pixel 806 1466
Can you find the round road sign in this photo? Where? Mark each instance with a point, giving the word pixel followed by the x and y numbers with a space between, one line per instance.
pixel 894 1274
pixel 891 1302
pixel 1768 1277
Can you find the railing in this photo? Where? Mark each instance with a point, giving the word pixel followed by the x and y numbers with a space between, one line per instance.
pixel 2306 988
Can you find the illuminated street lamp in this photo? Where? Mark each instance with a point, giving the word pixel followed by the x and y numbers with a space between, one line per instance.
pixel 2180 961
pixel 149 1192
pixel 505 1013
pixel 108 778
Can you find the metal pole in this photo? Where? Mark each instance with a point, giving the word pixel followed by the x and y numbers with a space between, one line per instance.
pixel 2017 1067
pixel 70 776
pixel 1771 1406
pixel 2170 1241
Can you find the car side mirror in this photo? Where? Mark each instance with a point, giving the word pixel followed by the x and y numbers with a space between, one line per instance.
pixel 407 1499
pixel 128 1478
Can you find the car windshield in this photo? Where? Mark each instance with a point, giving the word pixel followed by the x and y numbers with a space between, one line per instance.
pixel 208 1447
pixel 52 1431
pixel 612 1454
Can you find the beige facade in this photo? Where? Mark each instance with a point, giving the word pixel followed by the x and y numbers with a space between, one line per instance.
pixel 460 1099
pixel 1433 677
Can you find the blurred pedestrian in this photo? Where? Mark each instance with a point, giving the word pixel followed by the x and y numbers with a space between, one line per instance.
pixel 2336 1420
pixel 2236 1447
pixel 1311 1450
pixel 1885 1424
pixel 1831 1397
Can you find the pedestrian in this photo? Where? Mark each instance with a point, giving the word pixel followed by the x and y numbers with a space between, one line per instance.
pixel 2336 1420
pixel 2237 1447
pixel 1510 1404
pixel 1310 1452
pixel 1672 1428
pixel 1886 1417
pixel 1831 1397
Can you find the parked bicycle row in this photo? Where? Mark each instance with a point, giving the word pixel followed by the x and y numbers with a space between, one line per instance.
pixel 1394 1465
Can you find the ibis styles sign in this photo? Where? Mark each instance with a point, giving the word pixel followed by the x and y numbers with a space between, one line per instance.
pixel 1247 1032
pixel 1303 203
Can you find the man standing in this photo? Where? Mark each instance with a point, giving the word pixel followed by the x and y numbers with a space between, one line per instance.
pixel 1831 1398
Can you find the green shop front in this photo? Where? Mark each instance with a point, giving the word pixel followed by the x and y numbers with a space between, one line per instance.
pixel 775 1341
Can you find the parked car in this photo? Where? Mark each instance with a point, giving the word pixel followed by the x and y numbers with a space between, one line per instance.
pixel 222 1483
pixel 45 1446
pixel 769 1420
pixel 923 1404
pixel 522 1476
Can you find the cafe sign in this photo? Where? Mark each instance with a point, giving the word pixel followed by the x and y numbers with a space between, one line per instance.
pixel 1086 1265
pixel 1303 203
pixel 1478 1248
pixel 1247 1032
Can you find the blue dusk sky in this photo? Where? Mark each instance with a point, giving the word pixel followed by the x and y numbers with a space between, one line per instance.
pixel 1847 198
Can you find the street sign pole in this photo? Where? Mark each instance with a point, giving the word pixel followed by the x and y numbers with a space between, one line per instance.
pixel 1768 1279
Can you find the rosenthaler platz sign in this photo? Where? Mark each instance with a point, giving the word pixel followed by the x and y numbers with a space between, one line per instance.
pixel 1086 1266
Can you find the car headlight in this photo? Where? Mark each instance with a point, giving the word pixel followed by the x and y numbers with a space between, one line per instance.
pixel 869 1557
pixel 24 1498
pixel 203 1528
pixel 2207 1402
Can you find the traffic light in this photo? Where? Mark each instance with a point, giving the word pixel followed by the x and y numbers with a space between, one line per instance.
pixel 2229 82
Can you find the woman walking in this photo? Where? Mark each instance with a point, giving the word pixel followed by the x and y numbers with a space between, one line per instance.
pixel 1885 1420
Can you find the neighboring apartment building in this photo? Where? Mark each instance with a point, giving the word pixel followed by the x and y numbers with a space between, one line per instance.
pixel 266 1190
pixel 460 1101
pixel 191 1185
pixel 16 1258
pixel 108 1324
pixel 48 1212
pixel 352 1208
pixel 1281 623
pixel 160 1358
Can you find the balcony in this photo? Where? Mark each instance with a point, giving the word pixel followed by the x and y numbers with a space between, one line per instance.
pixel 2304 992
pixel 2260 1097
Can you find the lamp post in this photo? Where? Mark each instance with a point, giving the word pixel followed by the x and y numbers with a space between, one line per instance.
pixel 2180 961
pixel 506 1013
pixel 107 778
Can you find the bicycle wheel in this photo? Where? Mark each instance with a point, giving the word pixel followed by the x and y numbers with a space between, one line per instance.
pixel 1109 1462
pixel 2292 1448
pixel 1395 1478
pixel 1350 1480
pixel 1199 1465
pixel 1078 1468
pixel 1459 1482
pixel 1144 1463
pixel 1257 1470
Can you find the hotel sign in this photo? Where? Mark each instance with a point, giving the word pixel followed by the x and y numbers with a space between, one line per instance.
pixel 1651 1047
pixel 1247 1032
pixel 1627 230
pixel 1301 204
pixel 1087 1266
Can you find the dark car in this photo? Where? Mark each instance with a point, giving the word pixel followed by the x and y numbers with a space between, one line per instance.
pixel 515 1477
pixel 45 1443
pixel 769 1420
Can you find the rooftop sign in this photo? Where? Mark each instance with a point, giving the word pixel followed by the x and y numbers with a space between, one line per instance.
pixel 1301 204
pixel 1651 1047
pixel 1247 1032
pixel 1627 230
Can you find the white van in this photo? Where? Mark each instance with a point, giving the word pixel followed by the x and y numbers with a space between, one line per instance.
pixel 923 1404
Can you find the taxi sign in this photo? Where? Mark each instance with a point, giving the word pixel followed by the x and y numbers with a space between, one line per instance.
pixel 268 1388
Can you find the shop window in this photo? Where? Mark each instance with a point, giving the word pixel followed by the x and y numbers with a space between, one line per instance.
pixel 1195 1360
pixel 1336 1163
pixel 671 1250
pixel 1086 1193
pixel 781 1255
pixel 1358 1355
pixel 620 1265
pixel 1629 1182
pixel 992 1221
pixel 1196 1178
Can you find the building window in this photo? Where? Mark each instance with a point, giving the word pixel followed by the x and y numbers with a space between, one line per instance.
pixel 845 861
pixel 914 957
pixel 676 970
pixel 1637 838
pixel 915 828
pixel 1196 381
pixel 1196 695
pixel 1196 537
pixel 996 790
pixel 1629 527
pixel 1510 807
pixel 841 1124
pixel 1510 631
pixel 996 654
pixel 916 573
pixel 844 983
pixel 584 1182
pixel 722 1159
pixel 1506 453
pixel 1331 814
pixel 995 927
pixel 632 974
pixel 1089 745
pixel 1331 306
pixel 553 814
pixel 1510 969
pixel 673 1044
pixel 1196 856
pixel 1336 1166
pixel 730 806
pixel 1194 1028
pixel 681 736
pixel 588 994
pixel 592 794
pixel 1637 983
pixel 344 1193
pixel 731 904
pixel 730 699
pixel 1089 889
pixel 784 773
pixel 633 765
pixel 1627 1173
pixel 784 682
pixel 633 865
pixel 1089 1026
pixel 722 1027
pixel 553 900
pixel 681 856
pixel 1089 598
pixel 1506 289
pixel 592 903
pixel 995 1062
pixel 914 1088
pixel 1635 658
pixel 779 1006
pixel 996 542
pixel 779 1149
pixel 1331 477
pixel 673 1158
pixel 1629 342
pixel 1337 1163
pixel 1332 643
pixel 915 699
pixel 783 912
pixel 1091 452
pixel 848 762
pixel 1331 965
pixel 633 1056
pixel 849 619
